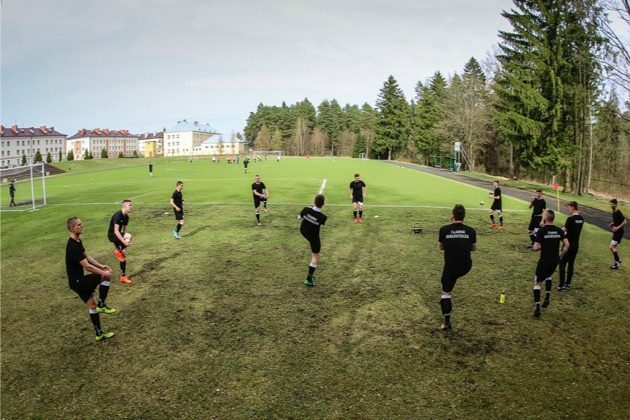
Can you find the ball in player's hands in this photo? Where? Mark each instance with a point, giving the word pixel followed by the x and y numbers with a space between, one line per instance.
pixel 128 237
pixel 481 203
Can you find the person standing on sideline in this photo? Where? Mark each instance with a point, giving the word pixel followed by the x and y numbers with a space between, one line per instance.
pixel 548 239
pixel 260 193
pixel 116 235
pixel 312 219
pixel 151 169
pixel 619 221
pixel 358 192
pixel 177 202
pixel 457 241
pixel 539 205
pixel 573 229
pixel 77 259
pixel 497 206
pixel 12 194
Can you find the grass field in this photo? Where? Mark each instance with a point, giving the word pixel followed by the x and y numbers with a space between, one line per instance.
pixel 219 324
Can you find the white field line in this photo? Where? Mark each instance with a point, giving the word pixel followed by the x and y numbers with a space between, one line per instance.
pixel 321 189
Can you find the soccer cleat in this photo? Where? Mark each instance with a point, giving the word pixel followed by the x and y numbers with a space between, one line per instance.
pixel 309 283
pixel 106 310
pixel 493 225
pixel 615 266
pixel 501 227
pixel 120 256
pixel 360 220
pixel 537 312
pixel 125 279
pixel 446 327
pixel 545 302
pixel 266 209
pixel 259 224
pixel 561 288
pixel 356 220
pixel 104 336
pixel 176 235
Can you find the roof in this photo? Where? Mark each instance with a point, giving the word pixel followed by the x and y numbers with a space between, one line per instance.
pixel 151 136
pixel 97 132
pixel 16 131
pixel 184 125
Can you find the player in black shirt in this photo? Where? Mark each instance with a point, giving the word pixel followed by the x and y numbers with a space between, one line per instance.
pixel 260 194
pixel 619 221
pixel 116 235
pixel 151 169
pixel 497 205
pixel 83 285
pixel 573 229
pixel 177 202
pixel 358 192
pixel 312 218
pixel 245 163
pixel 548 239
pixel 12 194
pixel 457 241
pixel 539 205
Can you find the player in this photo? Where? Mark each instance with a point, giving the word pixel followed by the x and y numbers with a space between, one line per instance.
pixel 12 194
pixel 358 192
pixel 115 234
pixel 245 163
pixel 496 206
pixel 260 194
pixel 539 205
pixel 573 229
pixel 548 238
pixel 77 259
pixel 457 241
pixel 619 221
pixel 312 218
pixel 177 202
pixel 151 169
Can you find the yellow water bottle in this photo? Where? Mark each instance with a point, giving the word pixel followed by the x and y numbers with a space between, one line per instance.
pixel 502 297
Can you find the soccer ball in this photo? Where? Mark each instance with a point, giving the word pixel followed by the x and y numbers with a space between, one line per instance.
pixel 128 237
pixel 481 203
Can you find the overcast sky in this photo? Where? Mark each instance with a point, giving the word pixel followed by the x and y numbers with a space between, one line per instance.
pixel 143 65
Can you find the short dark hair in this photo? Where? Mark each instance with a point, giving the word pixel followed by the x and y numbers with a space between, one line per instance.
pixel 497 181
pixel 180 182
pixel 319 200
pixel 539 190
pixel 551 215
pixel 573 204
pixel 71 221
pixel 614 201
pixel 356 175
pixel 126 201
pixel 459 212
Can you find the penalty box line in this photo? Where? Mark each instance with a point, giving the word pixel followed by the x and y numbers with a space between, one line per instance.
pixel 321 189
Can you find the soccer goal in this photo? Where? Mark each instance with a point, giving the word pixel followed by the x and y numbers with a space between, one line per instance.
pixel 362 155
pixel 29 187
pixel 267 154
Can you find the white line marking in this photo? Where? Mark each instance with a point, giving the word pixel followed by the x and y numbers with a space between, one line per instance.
pixel 321 190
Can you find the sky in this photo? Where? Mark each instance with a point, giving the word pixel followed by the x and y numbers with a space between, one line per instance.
pixel 144 65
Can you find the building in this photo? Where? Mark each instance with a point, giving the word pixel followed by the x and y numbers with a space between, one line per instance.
pixel 95 141
pixel 26 141
pixel 185 138
pixel 216 146
pixel 151 144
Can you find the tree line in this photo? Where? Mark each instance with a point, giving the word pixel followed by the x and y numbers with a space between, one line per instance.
pixel 541 105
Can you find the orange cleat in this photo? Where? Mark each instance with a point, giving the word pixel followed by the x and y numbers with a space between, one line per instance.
pixel 492 226
pixel 501 227
pixel 125 279
pixel 356 220
pixel 360 220
pixel 120 256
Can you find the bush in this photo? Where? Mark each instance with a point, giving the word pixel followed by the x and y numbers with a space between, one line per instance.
pixel 70 155
pixel 48 158
pixel 135 153
pixel 103 154
pixel 23 159
pixel 60 156
pixel 120 155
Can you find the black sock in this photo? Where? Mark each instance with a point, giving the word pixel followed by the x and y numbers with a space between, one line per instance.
pixel 354 212
pixel 258 216
pixel 537 296
pixel 570 272
pixel 548 286
pixel 102 293
pixel 561 270
pixel 311 271
pixel 532 238
pixel 264 204
pixel 445 303
pixel 501 220
pixel 492 218
pixel 178 228
pixel 123 268
pixel 96 321
pixel 360 213
pixel 616 256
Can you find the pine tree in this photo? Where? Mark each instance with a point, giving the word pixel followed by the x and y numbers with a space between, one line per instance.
pixel 60 156
pixel 392 122
pixel 38 156
pixel 427 114
pixel 263 139
pixel 103 154
pixel 277 143
pixel 330 121
pixel 48 158
pixel 23 159
pixel 70 155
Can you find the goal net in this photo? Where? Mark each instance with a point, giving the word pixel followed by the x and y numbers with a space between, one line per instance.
pixel 267 154
pixel 362 155
pixel 29 187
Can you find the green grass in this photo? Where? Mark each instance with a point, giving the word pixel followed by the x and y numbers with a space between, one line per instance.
pixel 219 324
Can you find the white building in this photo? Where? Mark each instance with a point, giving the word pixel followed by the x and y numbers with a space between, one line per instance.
pixel 185 138
pixel 94 141
pixel 217 146
pixel 26 141
pixel 151 144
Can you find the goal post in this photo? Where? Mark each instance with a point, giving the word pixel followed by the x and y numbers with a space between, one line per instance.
pixel 267 154
pixel 29 184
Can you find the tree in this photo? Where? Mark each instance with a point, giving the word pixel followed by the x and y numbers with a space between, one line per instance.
pixel 60 156
pixel 70 155
pixel 263 138
pixel 23 159
pixel 135 153
pixel 86 154
pixel 427 115
pixel 120 155
pixel 368 119
pixel 392 121
pixel 330 120
pixel 90 155
pixel 103 153
pixel 48 158
pixel 38 156
pixel 276 143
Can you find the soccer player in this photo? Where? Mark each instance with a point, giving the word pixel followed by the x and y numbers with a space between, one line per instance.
pixel 496 206
pixel 177 202
pixel 548 238
pixel 151 169
pixel 573 229
pixel 115 234
pixel 260 193
pixel 539 205
pixel 12 194
pixel 83 285
pixel 312 218
pixel 457 241
pixel 245 163
pixel 358 191
pixel 619 221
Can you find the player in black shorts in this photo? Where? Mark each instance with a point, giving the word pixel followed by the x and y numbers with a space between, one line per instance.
pixel 548 239
pixel 457 241
pixel 260 194
pixel 116 235
pixel 497 206
pixel 539 205
pixel 312 218
pixel 573 229
pixel 245 163
pixel 358 192
pixel 151 169
pixel 177 202
pixel 83 285
pixel 619 221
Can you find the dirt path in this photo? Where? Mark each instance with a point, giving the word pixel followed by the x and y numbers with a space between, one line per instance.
pixel 593 216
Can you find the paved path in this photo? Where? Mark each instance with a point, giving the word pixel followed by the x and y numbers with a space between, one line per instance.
pixel 593 216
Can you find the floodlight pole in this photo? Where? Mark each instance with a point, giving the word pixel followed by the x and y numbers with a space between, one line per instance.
pixel 32 186
pixel 44 182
